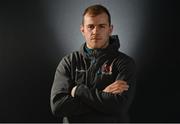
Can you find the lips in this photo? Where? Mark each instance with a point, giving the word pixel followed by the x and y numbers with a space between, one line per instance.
pixel 96 38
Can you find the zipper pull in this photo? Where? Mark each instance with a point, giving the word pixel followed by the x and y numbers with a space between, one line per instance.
pixel 94 56
pixel 94 53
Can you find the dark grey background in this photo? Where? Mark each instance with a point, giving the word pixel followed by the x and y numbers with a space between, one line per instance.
pixel 36 34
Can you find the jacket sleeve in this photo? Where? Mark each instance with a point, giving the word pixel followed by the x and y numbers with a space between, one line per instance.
pixel 62 104
pixel 109 103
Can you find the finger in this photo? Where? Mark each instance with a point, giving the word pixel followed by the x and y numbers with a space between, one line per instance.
pixel 120 81
pixel 116 92
pixel 118 89
pixel 119 86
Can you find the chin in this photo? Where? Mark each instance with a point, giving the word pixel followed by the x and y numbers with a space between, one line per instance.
pixel 97 47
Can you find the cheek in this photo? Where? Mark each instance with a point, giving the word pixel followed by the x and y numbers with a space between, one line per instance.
pixel 87 34
pixel 106 34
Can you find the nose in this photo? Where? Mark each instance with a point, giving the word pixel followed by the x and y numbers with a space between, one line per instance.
pixel 95 30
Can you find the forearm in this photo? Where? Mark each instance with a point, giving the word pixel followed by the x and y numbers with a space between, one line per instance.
pixel 65 105
pixel 107 103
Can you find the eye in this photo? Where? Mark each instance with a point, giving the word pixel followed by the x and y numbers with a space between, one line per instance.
pixel 102 26
pixel 90 26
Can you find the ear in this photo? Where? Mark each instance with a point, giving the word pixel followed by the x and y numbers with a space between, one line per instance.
pixel 111 29
pixel 82 29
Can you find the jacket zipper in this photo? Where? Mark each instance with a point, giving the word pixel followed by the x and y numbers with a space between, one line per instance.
pixel 90 69
pixel 86 69
pixel 92 74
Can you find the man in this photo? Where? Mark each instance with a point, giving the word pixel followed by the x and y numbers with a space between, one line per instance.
pixel 96 83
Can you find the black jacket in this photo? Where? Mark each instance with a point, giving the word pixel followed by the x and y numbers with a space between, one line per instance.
pixel 92 71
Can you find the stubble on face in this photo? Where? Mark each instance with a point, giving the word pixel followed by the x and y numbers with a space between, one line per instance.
pixel 96 31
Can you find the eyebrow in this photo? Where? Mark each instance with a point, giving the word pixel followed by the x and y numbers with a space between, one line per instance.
pixel 103 24
pixel 98 24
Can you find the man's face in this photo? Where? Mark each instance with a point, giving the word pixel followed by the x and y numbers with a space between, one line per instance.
pixel 96 30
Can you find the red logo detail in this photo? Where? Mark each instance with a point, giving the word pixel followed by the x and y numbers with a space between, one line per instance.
pixel 106 69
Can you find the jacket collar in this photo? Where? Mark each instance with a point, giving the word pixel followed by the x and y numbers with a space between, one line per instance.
pixel 114 45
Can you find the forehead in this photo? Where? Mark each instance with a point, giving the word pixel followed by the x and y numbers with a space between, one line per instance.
pixel 98 19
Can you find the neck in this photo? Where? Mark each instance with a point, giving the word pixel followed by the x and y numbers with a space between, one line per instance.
pixel 102 47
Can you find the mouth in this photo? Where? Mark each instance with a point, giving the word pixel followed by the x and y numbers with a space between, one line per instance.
pixel 96 38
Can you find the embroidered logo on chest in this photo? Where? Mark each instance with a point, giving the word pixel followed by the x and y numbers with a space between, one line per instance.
pixel 106 69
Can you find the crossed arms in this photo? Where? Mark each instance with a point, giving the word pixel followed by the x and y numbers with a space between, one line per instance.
pixel 117 87
pixel 77 100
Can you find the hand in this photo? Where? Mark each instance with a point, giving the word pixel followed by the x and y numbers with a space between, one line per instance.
pixel 73 91
pixel 117 87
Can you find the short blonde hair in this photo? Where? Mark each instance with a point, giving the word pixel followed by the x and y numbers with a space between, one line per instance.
pixel 95 10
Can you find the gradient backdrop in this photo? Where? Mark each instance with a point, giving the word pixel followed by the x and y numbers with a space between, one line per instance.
pixel 36 34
